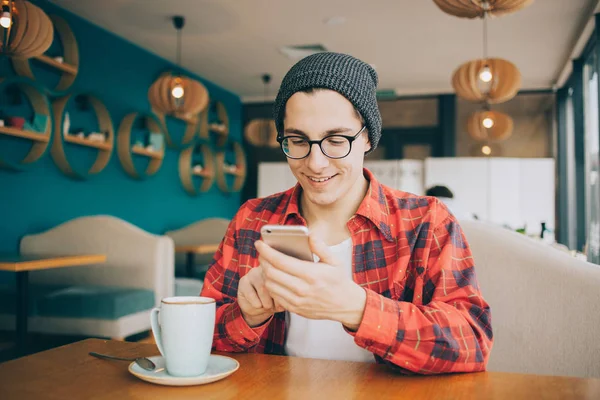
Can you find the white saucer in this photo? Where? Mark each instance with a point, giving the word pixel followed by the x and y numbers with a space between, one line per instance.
pixel 219 367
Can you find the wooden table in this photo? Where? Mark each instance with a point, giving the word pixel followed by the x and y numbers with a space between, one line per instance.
pixel 21 265
pixel 68 372
pixel 191 251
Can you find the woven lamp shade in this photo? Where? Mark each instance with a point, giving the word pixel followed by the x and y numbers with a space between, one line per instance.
pixel 261 133
pixel 476 8
pixel 505 83
pixel 194 101
pixel 30 34
pixel 501 130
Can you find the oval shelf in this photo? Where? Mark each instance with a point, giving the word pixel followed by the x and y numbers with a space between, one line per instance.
pixel 239 173
pixel 41 139
pixel 125 150
pixel 191 126
pixel 187 172
pixel 220 128
pixel 69 68
pixel 104 148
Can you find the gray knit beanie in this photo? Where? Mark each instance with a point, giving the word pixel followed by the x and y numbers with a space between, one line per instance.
pixel 352 78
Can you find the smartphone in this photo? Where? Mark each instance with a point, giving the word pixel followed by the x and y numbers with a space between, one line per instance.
pixel 288 239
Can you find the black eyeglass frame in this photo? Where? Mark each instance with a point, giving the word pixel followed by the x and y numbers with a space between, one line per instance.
pixel 350 139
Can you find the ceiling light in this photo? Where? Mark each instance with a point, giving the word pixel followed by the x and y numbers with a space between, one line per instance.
pixel 485 74
pixel 487 122
pixel 177 90
pixel 486 150
pixel 5 19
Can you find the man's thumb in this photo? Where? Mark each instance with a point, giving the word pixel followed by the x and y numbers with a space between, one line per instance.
pixel 318 247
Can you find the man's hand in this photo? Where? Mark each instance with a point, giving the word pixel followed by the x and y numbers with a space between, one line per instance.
pixel 312 290
pixel 254 300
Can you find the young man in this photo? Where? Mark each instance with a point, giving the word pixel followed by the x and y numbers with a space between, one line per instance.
pixel 395 282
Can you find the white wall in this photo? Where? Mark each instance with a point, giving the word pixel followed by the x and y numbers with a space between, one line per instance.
pixel 506 191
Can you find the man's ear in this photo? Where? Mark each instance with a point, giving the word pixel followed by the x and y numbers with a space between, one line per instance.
pixel 368 144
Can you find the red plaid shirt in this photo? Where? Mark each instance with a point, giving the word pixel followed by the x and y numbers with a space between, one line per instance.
pixel 424 311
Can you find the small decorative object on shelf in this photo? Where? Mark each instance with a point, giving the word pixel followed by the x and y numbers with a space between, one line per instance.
pixel 16 122
pixel 157 141
pixel 104 147
pixel 40 128
pixel 39 122
pixel 96 137
pixel 66 124
pixel 189 168
pixel 152 147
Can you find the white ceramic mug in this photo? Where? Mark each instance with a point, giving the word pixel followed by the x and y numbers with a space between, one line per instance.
pixel 185 334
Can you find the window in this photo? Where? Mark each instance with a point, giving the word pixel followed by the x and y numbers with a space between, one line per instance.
pixel 592 157
pixel 570 172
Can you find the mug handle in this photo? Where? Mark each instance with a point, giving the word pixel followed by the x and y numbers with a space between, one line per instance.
pixel 156 330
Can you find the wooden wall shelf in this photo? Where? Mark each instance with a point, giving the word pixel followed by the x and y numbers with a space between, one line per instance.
pixel 69 68
pixel 104 149
pixel 87 142
pixel 31 135
pixel 147 153
pixel 125 150
pixel 186 172
pixel 41 140
pixel 221 129
pixel 239 173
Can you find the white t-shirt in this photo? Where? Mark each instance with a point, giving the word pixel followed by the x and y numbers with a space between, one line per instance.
pixel 325 339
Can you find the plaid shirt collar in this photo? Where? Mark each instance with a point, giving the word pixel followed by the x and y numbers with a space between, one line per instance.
pixel 374 206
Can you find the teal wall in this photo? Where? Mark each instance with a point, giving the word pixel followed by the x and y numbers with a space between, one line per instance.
pixel 119 73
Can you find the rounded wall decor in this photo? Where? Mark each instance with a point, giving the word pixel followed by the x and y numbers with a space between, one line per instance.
pixel 31 32
pixel 187 171
pixel 191 126
pixel 104 146
pixel 477 8
pixel 155 152
pixel 188 107
pixel 261 133
pixel 221 126
pixel 238 170
pixel 504 84
pixel 68 63
pixel 490 125
pixel 40 129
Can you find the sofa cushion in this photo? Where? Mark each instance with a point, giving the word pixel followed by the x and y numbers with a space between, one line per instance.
pixel 8 297
pixel 98 302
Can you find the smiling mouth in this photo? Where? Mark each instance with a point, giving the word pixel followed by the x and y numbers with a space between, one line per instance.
pixel 318 180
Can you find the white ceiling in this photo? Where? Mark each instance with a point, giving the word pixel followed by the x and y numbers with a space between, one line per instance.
pixel 414 45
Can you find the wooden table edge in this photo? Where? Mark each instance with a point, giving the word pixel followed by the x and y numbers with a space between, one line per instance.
pixel 198 249
pixel 53 262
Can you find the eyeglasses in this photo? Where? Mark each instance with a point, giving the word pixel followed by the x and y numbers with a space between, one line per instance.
pixel 333 146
